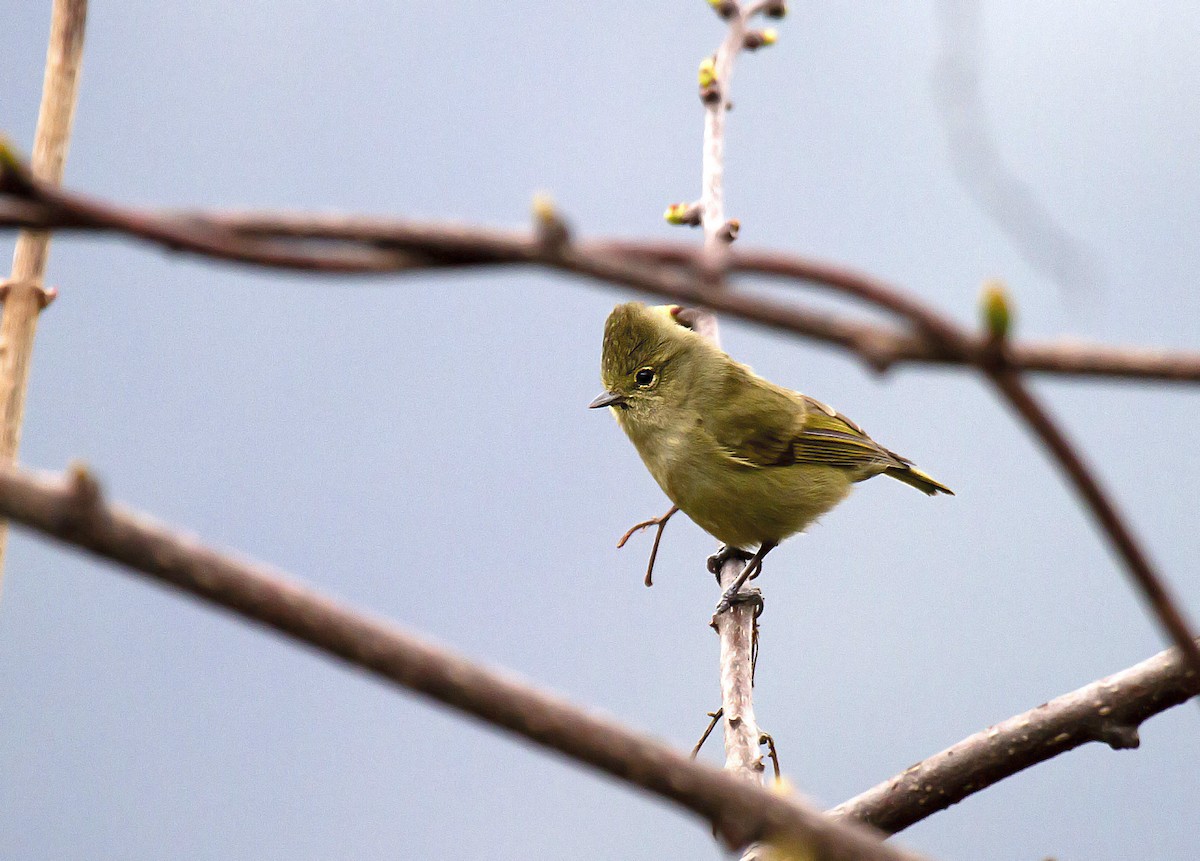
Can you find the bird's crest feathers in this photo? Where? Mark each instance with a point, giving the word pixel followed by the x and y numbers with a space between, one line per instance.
pixel 636 335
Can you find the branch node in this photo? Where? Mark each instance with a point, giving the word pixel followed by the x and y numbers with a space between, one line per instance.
pixel 45 295
pixel 996 310
pixel 687 214
pixel 710 87
pixel 1117 735
pixel 755 39
pixel 729 231
pixel 552 232
pixel 84 488
pixel 84 498
pixel 726 9
pixel 877 351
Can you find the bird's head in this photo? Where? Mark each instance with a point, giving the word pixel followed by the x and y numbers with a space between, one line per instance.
pixel 646 360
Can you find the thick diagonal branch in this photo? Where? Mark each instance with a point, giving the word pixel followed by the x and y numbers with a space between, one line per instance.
pixel 75 512
pixel 1108 711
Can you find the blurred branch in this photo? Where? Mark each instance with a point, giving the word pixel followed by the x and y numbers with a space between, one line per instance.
pixel 1109 711
pixel 348 244
pixel 1011 202
pixel 24 293
pixel 74 511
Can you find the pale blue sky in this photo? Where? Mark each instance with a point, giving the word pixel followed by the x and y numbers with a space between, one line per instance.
pixel 421 446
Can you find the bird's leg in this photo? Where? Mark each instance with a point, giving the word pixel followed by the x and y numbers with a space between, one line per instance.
pixel 661 523
pixel 718 559
pixel 751 569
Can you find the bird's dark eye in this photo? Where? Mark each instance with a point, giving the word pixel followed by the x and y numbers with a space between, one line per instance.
pixel 644 377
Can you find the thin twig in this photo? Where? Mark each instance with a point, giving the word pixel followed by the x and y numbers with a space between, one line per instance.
pixel 714 717
pixel 74 511
pixel 1109 710
pixel 25 294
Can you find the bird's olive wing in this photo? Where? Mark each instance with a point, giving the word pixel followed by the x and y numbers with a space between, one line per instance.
pixel 753 421
pixel 761 425
pixel 830 439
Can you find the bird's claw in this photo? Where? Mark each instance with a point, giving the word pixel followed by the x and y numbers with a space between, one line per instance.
pixel 718 559
pixel 743 596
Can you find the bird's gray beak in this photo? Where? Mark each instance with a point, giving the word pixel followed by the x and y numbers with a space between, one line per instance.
pixel 607 399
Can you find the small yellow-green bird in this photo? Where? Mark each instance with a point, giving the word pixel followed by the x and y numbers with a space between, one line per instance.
pixel 752 463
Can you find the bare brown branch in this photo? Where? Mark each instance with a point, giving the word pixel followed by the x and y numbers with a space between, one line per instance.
pixel 75 512
pixel 25 294
pixel 366 245
pixel 1108 711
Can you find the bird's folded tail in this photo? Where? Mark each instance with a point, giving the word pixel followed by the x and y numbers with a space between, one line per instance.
pixel 913 477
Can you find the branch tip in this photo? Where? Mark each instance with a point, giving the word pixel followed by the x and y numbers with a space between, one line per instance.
pixel 775 9
pixel 726 9
pixel 755 39
pixel 688 214
pixel 729 231
pixel 552 231
pixel 996 310
pixel 85 489
pixel 84 498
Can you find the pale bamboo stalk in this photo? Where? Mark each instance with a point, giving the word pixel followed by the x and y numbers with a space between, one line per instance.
pixel 25 294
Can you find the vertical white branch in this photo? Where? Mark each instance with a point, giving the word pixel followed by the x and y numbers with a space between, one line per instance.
pixel 712 187
pixel 735 627
pixel 743 754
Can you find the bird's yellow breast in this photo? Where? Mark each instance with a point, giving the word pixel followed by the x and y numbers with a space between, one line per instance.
pixel 738 503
